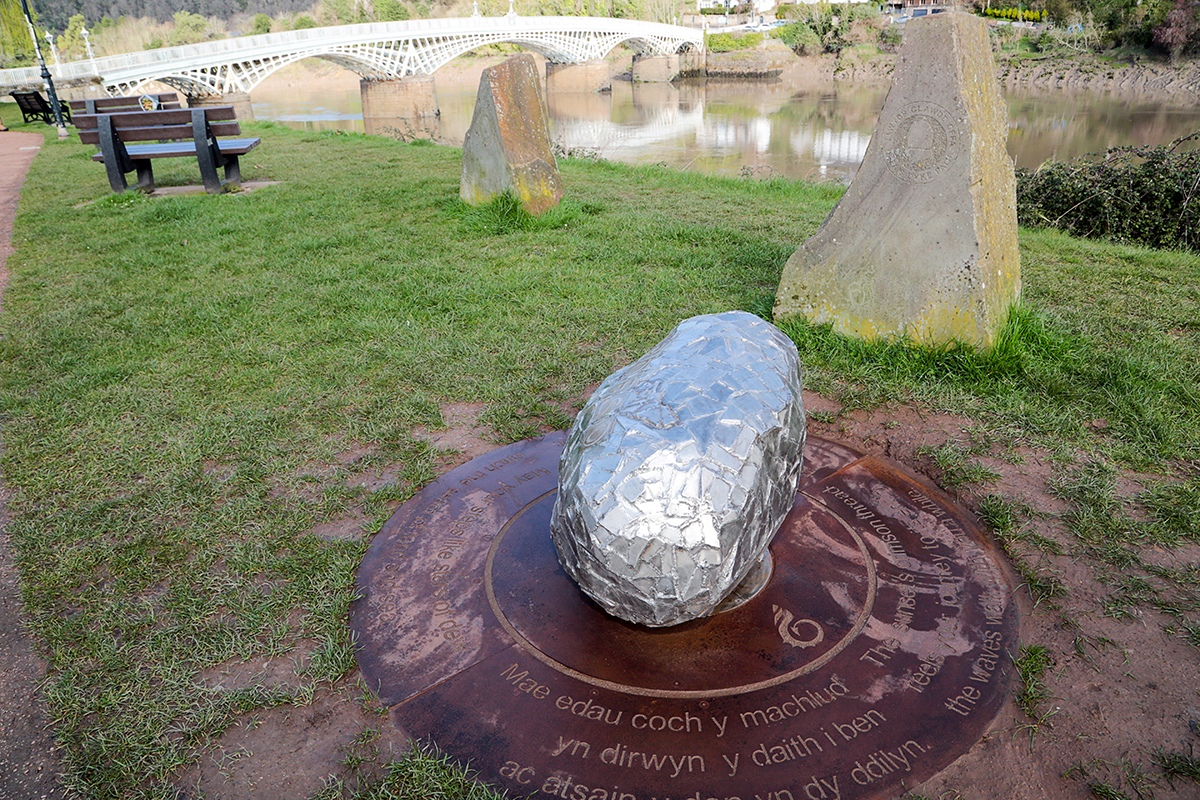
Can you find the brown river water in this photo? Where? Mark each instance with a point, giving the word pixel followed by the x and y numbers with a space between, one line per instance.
pixel 759 128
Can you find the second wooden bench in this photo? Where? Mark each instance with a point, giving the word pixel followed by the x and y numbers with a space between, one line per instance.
pixel 174 133
pixel 34 106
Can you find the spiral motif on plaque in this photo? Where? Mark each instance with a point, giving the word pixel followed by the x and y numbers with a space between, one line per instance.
pixel 791 630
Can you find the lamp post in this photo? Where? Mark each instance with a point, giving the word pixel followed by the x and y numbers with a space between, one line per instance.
pixel 87 43
pixel 46 79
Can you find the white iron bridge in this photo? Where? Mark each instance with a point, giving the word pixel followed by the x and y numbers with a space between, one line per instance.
pixel 377 51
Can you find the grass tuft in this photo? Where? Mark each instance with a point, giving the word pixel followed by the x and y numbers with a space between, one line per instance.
pixel 1179 765
pixel 504 214
pixel 1032 665
pixel 1105 791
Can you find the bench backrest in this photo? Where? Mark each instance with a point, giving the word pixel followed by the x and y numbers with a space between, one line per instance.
pixel 158 126
pixel 33 102
pixel 34 106
pixel 112 105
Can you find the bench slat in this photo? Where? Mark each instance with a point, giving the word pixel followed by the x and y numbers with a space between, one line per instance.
pixel 129 102
pixel 160 132
pixel 142 119
pixel 229 147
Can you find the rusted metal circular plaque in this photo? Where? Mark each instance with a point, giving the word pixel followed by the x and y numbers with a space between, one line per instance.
pixel 877 652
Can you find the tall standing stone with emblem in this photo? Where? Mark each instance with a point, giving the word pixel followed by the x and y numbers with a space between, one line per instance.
pixel 923 246
pixel 507 147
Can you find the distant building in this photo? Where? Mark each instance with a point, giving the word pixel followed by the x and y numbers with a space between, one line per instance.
pixel 760 6
pixel 918 8
pixel 763 6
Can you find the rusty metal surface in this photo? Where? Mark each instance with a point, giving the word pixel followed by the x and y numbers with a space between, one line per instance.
pixel 423 614
pixel 875 655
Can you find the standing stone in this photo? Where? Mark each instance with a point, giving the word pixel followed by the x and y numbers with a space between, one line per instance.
pixel 923 245
pixel 507 147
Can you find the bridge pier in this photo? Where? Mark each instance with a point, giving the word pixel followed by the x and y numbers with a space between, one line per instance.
pixel 90 90
pixel 666 69
pixel 655 69
pixel 400 107
pixel 239 100
pixel 590 76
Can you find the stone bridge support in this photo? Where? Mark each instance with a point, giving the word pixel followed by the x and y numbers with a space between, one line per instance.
pixel 590 76
pixel 239 100
pixel 655 69
pixel 401 108
pixel 665 69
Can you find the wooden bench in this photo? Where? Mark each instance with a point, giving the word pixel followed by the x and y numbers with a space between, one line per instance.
pixel 34 106
pixel 174 133
pixel 115 105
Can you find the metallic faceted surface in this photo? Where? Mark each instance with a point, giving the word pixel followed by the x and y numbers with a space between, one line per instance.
pixel 680 469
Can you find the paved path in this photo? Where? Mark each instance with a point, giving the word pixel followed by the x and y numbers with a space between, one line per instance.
pixel 29 766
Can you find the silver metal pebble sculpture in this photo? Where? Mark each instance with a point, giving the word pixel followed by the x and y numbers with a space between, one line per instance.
pixel 680 469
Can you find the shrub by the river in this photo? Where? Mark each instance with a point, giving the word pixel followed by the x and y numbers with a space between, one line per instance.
pixel 727 42
pixel 1140 195
pixel 1016 14
pixel 801 38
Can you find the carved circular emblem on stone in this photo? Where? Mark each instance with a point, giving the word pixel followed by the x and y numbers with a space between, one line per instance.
pixel 921 142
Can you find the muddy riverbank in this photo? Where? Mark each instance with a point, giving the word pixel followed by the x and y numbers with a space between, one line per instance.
pixel 1144 80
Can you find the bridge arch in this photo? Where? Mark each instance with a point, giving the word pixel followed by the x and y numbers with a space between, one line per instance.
pixel 376 51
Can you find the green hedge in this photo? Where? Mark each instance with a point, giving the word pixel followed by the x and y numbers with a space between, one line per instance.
pixel 726 42
pixel 1016 14
pixel 800 37
pixel 1141 195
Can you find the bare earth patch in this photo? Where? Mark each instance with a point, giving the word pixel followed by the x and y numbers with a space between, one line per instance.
pixel 1118 690
pixel 29 762
pixel 295 751
pixel 463 438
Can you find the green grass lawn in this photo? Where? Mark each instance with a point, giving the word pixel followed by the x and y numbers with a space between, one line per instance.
pixel 179 377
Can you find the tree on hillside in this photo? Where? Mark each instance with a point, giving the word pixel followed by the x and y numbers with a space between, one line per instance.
pixel 1119 22
pixel 15 47
pixel 189 29
pixel 1178 28
pixel 390 11
pixel 70 42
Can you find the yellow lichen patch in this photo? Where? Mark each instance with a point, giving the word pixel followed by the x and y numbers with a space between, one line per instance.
pixel 507 147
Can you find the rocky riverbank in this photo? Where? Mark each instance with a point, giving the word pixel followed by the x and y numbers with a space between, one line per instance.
pixel 862 64
pixel 1144 79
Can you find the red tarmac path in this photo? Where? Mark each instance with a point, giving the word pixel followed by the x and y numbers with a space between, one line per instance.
pixel 29 765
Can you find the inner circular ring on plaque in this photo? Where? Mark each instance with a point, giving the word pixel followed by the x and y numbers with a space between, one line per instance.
pixel 828 578
pixel 878 651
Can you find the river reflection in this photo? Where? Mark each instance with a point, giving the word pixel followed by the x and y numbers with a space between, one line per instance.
pixel 759 128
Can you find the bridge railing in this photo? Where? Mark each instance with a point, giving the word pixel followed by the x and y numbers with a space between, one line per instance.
pixel 267 45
